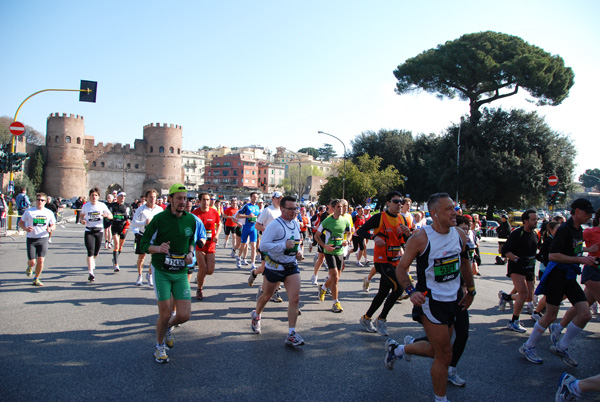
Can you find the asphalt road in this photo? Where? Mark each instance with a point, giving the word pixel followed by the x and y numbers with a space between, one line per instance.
pixel 74 341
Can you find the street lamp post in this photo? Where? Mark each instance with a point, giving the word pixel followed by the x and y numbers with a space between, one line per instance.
pixel 343 178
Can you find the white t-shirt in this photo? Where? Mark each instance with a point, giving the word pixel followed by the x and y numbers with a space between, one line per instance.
pixel 92 215
pixel 39 219
pixel 268 215
pixel 143 213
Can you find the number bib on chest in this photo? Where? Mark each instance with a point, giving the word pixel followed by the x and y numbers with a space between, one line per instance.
pixel 446 269
pixel 174 262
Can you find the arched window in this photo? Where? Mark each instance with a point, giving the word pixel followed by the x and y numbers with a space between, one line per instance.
pixel 171 150
pixel 151 149
pixel 101 164
pixel 161 150
pixel 137 166
pixel 178 151
pixel 129 166
pixel 94 164
pixel 56 139
pixel 68 139
pixel 78 140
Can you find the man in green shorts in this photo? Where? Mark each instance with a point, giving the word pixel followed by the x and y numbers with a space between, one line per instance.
pixel 169 237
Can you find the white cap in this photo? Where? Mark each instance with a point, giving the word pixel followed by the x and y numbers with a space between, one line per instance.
pixel 122 193
pixel 276 194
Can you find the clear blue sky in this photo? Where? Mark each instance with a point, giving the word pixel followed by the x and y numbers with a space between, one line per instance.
pixel 273 73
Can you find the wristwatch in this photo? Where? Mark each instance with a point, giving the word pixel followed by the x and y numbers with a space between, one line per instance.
pixel 471 291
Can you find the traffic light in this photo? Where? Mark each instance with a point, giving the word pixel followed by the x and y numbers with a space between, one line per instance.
pixel 4 164
pixel 16 160
pixel 550 197
pixel 88 91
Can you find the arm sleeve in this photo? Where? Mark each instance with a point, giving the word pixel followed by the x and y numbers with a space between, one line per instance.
pixel 149 236
pixel 509 245
pixel 371 224
pixel 137 222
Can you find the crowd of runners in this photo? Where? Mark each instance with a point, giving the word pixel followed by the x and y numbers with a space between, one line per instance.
pixel 182 234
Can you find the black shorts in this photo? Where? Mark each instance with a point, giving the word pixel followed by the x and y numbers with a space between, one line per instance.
pixel 238 231
pixel 137 240
pixel 107 223
pixel 229 230
pixel 590 274
pixel 529 274
pixel 357 243
pixel 274 276
pixel 442 313
pixel 119 230
pixel 557 286
pixel 92 239
pixel 334 261
pixel 37 247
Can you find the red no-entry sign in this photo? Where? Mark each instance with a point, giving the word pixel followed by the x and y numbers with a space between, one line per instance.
pixel 553 180
pixel 16 128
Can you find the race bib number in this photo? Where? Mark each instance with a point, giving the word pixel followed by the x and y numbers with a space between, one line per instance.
pixel 336 242
pixel 293 250
pixel 530 262
pixel 209 235
pixel 94 216
pixel 119 217
pixel 446 269
pixel 174 262
pixel 393 253
pixel 252 220
pixel 39 221
pixel 578 247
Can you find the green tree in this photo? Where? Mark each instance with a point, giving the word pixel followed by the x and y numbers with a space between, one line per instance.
pixel 591 178
pixel 24 181
pixel 314 152
pixel 484 67
pixel 327 152
pixel 32 136
pixel 36 169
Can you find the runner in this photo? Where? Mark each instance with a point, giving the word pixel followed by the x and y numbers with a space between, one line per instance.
pixel 38 222
pixel 280 243
pixel 205 256
pixel 249 212
pixel 320 256
pixel 267 215
pixel 440 250
pixel 333 229
pixel 107 223
pixel 93 214
pixel 230 226
pixel 520 249
pixel 169 237
pixel 387 232
pixel 121 216
pixel 142 217
pixel 560 279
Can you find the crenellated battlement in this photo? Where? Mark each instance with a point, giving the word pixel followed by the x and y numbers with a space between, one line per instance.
pixel 114 147
pixel 163 125
pixel 65 116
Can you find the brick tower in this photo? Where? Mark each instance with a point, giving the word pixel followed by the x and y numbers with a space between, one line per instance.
pixel 163 160
pixel 64 174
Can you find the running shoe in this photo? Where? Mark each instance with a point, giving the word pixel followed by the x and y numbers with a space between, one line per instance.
pixel 529 308
pixel 337 307
pixel 408 340
pixel 37 282
pixel 516 326
pixel 149 280
pixel 139 281
pixel 367 263
pixel 454 378
pixel 310 247
pixel 536 316
pixel 251 278
pixel 199 295
pixel 367 323
pixel 566 391
pixel 314 280
pixel 276 298
pixel 403 296
pixel 501 301
pixel 315 257
pixel 116 268
pixel 244 262
pixel 232 255
pixel 359 264
pixel 530 354
pixel 366 284
pixel 390 347
pixel 238 262
pixel 255 325
pixel 322 293
pixel 29 272
pixel 564 355
pixel 555 333
pixel 594 308
pixel 169 339
pixel 160 354
pixel 252 267
pixel 294 340
pixel 91 277
pixel 381 327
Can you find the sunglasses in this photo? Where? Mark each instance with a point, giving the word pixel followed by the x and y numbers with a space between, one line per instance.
pixel 396 201
pixel 292 209
pixel 40 199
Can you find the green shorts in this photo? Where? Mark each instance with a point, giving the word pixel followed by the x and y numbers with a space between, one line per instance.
pixel 167 283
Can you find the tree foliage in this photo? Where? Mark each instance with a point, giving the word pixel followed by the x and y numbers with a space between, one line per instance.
pixel 591 178
pixel 314 152
pixel 364 179
pixel 327 152
pixel 32 136
pixel 484 67
pixel 36 169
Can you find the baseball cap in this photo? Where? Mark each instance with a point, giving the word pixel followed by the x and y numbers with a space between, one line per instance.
pixel 457 208
pixel 359 207
pixel 260 200
pixel 122 193
pixel 177 188
pixel 367 207
pixel 468 217
pixel 276 194
pixel 114 192
pixel 583 204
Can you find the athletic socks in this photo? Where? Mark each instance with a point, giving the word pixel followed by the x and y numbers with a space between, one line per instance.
pixel 565 340
pixel 291 330
pixel 535 336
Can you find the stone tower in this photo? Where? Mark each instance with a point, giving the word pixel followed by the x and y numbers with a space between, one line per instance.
pixel 64 174
pixel 163 160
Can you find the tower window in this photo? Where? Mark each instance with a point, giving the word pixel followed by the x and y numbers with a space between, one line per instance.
pixel 56 139
pixel 151 149
pixel 78 140
pixel 68 139
pixel 101 164
pixel 94 164
pixel 161 150
pixel 171 150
